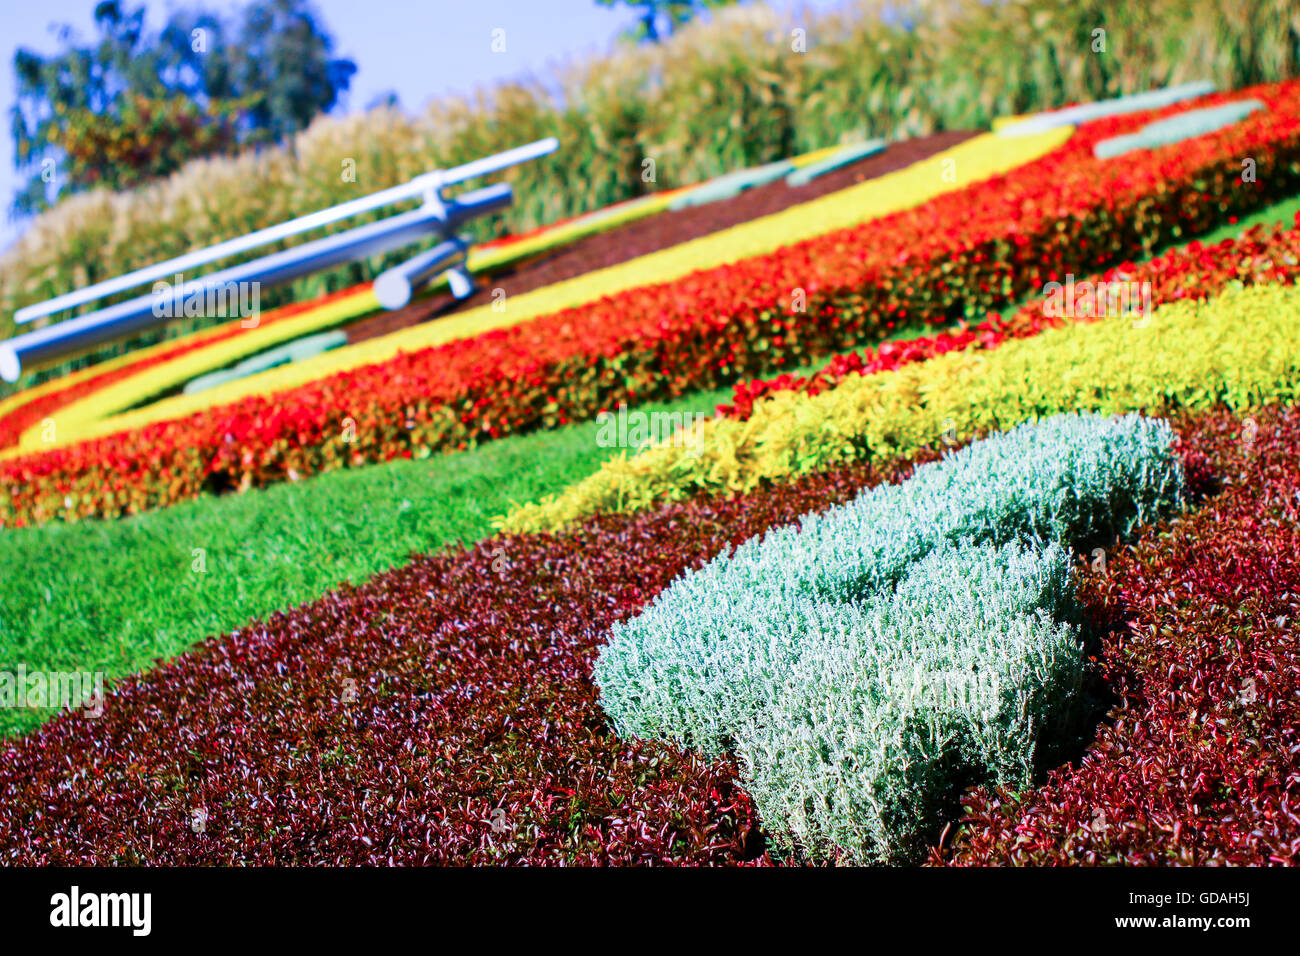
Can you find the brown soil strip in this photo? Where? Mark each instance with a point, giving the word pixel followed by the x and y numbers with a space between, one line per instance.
pixel 655 232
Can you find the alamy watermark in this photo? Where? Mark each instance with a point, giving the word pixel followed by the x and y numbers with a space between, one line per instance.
pixel 631 429
pixel 77 909
pixel 214 300
pixel 944 688
pixel 1084 300
pixel 39 689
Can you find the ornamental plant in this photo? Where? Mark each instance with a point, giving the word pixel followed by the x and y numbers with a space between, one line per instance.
pixel 1065 212
pixel 1241 349
pixel 472 705
pixel 21 412
pixel 978 158
pixel 146 138
pixel 1197 762
pixel 1260 255
pixel 802 650
pixel 475 735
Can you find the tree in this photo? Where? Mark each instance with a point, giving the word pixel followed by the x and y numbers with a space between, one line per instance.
pixel 129 105
pixel 144 139
pixel 283 53
pixel 662 17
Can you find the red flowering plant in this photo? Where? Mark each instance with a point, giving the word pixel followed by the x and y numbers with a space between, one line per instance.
pixel 1195 271
pixel 956 256
pixel 1198 761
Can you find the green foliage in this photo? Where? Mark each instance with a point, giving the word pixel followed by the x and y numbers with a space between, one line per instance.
pixel 143 140
pixel 814 651
pixel 283 52
pixel 890 708
pixel 1283 213
pixel 658 18
pixel 133 106
pixel 114 596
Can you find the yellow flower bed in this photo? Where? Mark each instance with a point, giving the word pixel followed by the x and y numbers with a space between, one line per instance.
pixel 480 261
pixel 75 421
pixel 976 159
pixel 1241 347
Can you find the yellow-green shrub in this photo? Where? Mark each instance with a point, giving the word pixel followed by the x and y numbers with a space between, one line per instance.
pixel 1241 348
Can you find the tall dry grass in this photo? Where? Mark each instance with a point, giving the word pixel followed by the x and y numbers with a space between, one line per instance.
pixel 723 94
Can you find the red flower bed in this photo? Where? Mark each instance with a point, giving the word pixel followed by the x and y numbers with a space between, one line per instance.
pixel 961 253
pixel 439 713
pixel 25 416
pixel 1199 762
pixel 443 712
pixel 1193 271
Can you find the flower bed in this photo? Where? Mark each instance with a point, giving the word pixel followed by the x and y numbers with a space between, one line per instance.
pixel 1241 347
pixel 1198 762
pixel 654 233
pixel 835 656
pixel 439 713
pixel 589 293
pixel 138 375
pixel 426 717
pixel 1194 271
pixel 697 332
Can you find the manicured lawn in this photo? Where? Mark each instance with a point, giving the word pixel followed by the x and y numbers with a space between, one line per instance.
pixel 113 596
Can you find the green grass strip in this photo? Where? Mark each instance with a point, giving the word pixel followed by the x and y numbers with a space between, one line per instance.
pixel 1283 213
pixel 115 596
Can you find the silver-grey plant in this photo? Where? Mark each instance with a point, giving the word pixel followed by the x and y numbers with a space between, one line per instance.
pixel 870 659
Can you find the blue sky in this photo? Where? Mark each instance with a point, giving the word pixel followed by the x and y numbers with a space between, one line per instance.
pixel 418 48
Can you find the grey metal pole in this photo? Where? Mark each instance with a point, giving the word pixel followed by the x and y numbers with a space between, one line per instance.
pixel 419 186
pixel 395 287
pixel 161 306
